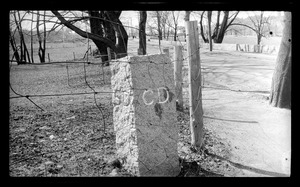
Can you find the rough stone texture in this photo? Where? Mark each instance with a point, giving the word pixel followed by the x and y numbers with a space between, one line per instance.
pixel 144 115
pixel 185 85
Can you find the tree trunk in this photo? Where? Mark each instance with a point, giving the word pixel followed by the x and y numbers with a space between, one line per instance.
pixel 44 38
pixel 14 47
pixel 175 34
pixel 41 51
pixel 220 35
pixel 168 32
pixel 31 39
pixel 164 31
pixel 22 57
pixel 187 16
pixel 101 33
pixel 280 95
pixel 201 29
pixel 216 31
pixel 97 28
pixel 209 13
pixel 259 36
pixel 21 43
pixel 122 37
pixel 26 53
pixel 159 26
pixel 142 33
pixel 22 40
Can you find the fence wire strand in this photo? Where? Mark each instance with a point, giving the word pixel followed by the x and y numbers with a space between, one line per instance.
pixel 85 62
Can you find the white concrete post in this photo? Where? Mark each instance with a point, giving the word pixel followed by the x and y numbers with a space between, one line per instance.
pixel 144 115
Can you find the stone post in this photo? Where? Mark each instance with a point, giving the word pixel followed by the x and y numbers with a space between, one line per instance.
pixel 166 51
pixel 144 115
pixel 178 61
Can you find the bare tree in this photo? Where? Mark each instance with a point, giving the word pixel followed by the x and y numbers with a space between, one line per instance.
pixel 259 24
pixel 209 29
pixel 163 21
pixel 106 31
pixel 173 23
pixel 142 33
pixel 227 21
pixel 23 57
pixel 186 18
pixel 158 17
pixel 42 41
pixel 13 44
pixel 31 38
pixel 150 28
pixel 28 36
pixel 158 21
pixel 280 95
pixel 220 28
pixel 201 28
pixel 216 31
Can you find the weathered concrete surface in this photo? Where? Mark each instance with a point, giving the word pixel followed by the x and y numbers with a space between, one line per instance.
pixel 144 115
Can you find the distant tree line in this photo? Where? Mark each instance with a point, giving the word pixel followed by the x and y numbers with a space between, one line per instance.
pixel 106 30
pixel 56 36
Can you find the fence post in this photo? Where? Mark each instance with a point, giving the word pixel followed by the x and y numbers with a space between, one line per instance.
pixel 74 55
pixel 48 57
pixel 195 92
pixel 166 51
pixel 87 56
pixel 178 60
pixel 109 54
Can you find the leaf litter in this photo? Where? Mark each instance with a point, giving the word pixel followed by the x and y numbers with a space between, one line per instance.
pixel 67 139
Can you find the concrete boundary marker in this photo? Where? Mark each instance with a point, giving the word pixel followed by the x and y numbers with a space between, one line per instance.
pixel 145 119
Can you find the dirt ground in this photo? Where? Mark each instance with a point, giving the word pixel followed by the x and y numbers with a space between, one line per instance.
pixel 244 136
pixel 73 137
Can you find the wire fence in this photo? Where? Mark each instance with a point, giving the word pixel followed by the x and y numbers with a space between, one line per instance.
pixel 76 71
pixel 95 79
pixel 85 57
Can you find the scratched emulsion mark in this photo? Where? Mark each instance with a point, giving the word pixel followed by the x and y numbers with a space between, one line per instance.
pixel 158 110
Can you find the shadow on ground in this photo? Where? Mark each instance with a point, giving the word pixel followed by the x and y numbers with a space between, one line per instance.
pixel 193 169
pixel 249 168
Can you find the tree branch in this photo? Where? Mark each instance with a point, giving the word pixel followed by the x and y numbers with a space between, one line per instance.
pixel 233 30
pixel 83 33
pixel 254 23
pixel 232 20
pixel 201 28
pixel 241 24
